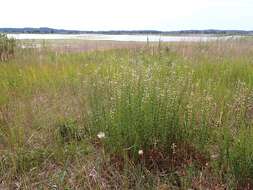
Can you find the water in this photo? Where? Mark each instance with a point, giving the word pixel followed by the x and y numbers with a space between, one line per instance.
pixel 125 38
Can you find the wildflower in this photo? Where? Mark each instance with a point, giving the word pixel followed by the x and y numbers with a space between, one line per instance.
pixel 140 152
pixel 189 106
pixel 101 135
pixel 93 173
pixel 215 156
pixel 173 147
pixel 54 186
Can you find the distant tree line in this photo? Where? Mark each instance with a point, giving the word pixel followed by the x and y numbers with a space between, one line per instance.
pixel 45 30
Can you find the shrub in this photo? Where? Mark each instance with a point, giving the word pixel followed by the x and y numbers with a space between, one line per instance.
pixel 7 47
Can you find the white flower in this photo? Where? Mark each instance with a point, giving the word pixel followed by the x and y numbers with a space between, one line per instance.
pixel 140 152
pixel 101 135
pixel 173 147
pixel 54 186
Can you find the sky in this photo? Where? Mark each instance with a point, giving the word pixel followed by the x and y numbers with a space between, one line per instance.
pixel 163 15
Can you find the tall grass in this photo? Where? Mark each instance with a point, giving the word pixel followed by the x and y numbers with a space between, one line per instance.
pixel 156 117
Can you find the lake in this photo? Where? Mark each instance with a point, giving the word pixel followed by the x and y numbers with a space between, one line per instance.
pixel 125 38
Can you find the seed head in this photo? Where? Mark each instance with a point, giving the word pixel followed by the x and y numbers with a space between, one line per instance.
pixel 101 135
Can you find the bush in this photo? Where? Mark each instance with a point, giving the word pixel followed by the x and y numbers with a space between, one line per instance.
pixel 7 47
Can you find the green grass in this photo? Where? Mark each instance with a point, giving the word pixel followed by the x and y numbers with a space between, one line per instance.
pixel 186 106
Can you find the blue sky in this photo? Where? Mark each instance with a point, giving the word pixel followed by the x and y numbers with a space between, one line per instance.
pixel 128 14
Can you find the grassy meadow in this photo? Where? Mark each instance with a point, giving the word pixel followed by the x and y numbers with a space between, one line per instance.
pixel 162 116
